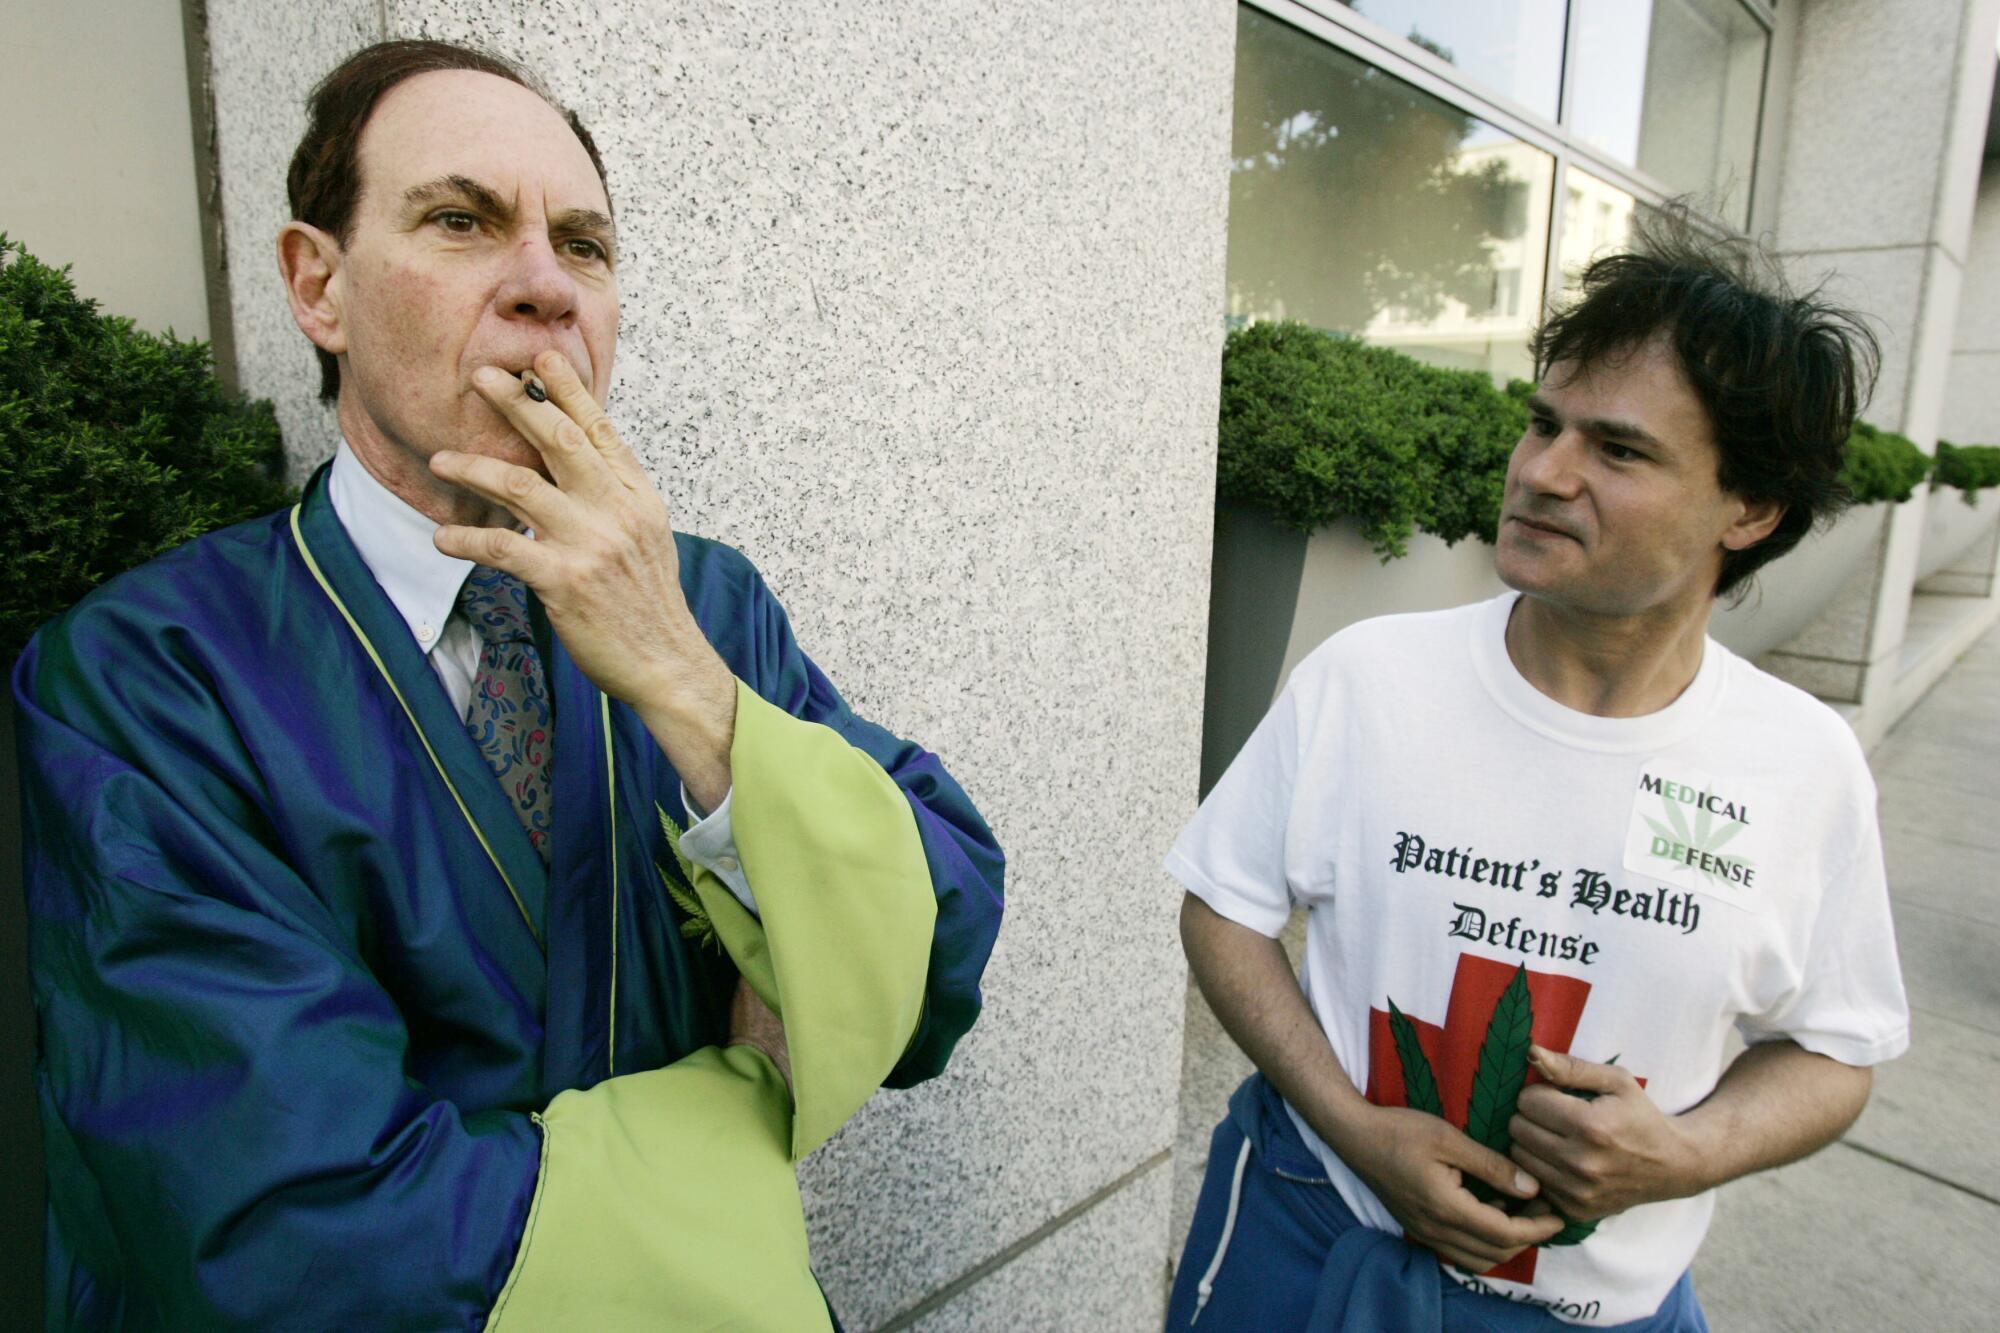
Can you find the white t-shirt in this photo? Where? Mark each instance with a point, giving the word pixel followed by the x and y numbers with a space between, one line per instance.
pixel 1661 878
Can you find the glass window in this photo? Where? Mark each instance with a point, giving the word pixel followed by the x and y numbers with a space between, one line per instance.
pixel 1672 87
pixel 1363 206
pixel 1596 220
pixel 1514 47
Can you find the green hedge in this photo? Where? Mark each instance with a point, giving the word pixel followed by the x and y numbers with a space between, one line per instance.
pixel 1882 465
pixel 118 444
pixel 1316 427
pixel 1968 467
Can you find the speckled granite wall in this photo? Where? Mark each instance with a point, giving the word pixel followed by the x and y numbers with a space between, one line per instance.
pixel 921 311
pixel 262 60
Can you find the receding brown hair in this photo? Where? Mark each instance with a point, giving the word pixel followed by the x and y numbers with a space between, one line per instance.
pixel 1780 374
pixel 324 182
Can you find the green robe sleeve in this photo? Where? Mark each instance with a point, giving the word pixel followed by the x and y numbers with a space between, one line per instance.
pixel 668 1197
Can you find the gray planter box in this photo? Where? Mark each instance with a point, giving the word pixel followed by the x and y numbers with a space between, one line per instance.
pixel 1792 590
pixel 1275 595
pixel 1954 529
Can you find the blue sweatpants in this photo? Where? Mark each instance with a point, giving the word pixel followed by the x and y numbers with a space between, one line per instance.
pixel 1295 1257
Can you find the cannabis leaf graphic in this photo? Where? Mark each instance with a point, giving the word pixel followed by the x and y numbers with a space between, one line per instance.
pixel 1502 1068
pixel 1573 1233
pixel 1420 1089
pixel 1496 1085
pixel 697 927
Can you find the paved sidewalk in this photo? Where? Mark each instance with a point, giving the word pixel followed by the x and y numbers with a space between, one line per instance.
pixel 1898 1225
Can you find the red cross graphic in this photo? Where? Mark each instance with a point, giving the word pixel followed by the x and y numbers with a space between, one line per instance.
pixel 1453 1049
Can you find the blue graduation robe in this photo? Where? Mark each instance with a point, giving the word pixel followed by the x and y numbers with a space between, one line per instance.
pixel 299 975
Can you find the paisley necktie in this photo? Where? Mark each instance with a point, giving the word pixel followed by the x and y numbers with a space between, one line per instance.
pixel 509 717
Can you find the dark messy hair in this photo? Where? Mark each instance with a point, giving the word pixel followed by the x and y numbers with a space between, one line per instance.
pixel 324 182
pixel 1780 375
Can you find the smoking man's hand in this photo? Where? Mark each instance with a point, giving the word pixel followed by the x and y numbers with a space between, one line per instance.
pixel 602 561
pixel 751 1023
pixel 1600 1156
pixel 1417 1165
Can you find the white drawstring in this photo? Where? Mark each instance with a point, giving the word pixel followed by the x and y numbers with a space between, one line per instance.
pixel 1206 1287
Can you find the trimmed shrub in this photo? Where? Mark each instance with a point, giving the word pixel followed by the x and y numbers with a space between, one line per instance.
pixel 1968 467
pixel 1882 466
pixel 119 445
pixel 1316 427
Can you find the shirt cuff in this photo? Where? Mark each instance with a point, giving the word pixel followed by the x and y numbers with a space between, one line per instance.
pixel 710 843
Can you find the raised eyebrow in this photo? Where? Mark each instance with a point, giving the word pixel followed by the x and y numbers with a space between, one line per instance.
pixel 459 187
pixel 584 222
pixel 1604 428
pixel 1609 428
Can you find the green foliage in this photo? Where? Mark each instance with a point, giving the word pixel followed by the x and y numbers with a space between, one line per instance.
pixel 119 445
pixel 1969 467
pixel 1882 465
pixel 1314 427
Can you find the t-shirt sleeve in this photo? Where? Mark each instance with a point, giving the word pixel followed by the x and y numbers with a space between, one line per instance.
pixel 1231 855
pixel 1848 1003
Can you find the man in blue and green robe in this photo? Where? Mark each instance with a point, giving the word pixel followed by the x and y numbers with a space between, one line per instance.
pixel 457 901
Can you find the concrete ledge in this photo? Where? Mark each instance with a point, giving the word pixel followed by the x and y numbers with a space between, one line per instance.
pixel 1941 628
pixel 1956 583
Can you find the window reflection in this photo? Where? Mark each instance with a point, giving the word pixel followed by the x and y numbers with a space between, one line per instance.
pixel 1512 46
pixel 1363 206
pixel 1597 219
pixel 1672 87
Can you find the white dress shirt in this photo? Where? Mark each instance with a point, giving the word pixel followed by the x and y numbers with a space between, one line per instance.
pixel 422 583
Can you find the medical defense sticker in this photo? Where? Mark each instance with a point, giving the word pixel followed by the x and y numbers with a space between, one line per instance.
pixel 1694 832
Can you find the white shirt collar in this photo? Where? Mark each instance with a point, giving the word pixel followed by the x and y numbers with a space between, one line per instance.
pixel 394 541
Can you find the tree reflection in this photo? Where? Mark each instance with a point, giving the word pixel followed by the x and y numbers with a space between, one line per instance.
pixel 1352 193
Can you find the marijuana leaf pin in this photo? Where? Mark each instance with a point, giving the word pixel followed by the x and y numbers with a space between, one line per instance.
pixel 697 926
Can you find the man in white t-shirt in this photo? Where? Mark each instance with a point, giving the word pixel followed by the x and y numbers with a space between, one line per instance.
pixel 1553 849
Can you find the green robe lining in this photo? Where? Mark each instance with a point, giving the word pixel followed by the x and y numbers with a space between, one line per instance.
pixel 669 1196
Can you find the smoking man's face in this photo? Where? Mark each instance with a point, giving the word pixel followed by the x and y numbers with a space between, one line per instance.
pixel 482 237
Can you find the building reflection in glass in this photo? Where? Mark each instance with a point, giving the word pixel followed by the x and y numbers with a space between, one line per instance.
pixel 1597 219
